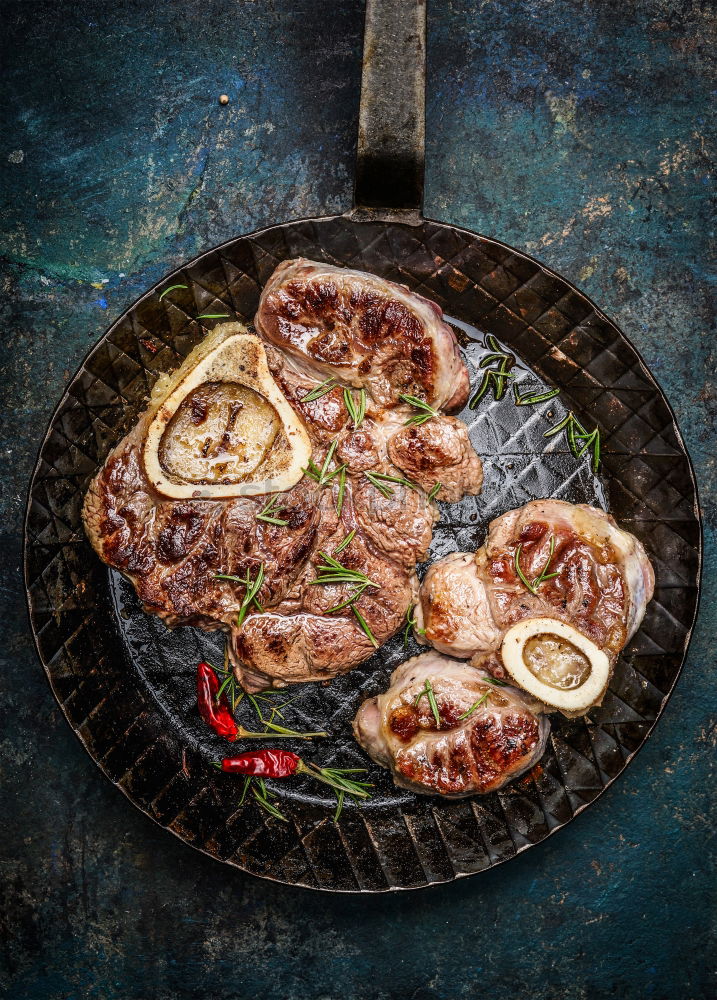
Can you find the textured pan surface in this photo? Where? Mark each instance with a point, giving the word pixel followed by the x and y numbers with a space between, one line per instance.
pixel 126 684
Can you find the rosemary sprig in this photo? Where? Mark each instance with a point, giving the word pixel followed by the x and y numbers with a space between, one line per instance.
pixel 275 732
pixel 252 589
pixel 357 411
pixel 497 682
pixel 213 316
pixel 570 424
pixel 333 572
pixel 245 789
pixel 474 706
pixel 347 541
pixel 349 600
pixel 336 778
pixel 327 461
pixel 262 797
pixel 411 622
pixel 381 487
pixel 236 694
pixel 435 491
pixel 274 727
pixel 170 289
pixel 530 398
pixel 494 378
pixel 544 575
pixel 429 693
pixel 426 412
pixel 273 506
pixel 591 440
pixel 364 626
pixel 322 476
pixel 379 480
pixel 326 386
pixel 339 805
pixel 342 490
pixel 576 432
pixel 229 684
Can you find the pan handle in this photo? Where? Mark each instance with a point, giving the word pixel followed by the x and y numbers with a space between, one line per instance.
pixel 392 116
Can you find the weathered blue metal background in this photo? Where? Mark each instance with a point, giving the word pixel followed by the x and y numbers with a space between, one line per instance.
pixel 579 131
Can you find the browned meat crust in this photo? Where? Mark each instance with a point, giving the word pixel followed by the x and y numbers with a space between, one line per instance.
pixel 438 451
pixel 484 735
pixel 364 330
pixel 172 550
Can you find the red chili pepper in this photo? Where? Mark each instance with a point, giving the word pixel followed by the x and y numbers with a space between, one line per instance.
pixel 263 763
pixel 216 714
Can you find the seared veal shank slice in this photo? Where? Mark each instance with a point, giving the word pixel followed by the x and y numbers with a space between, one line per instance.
pixel 485 734
pixel 598 582
pixel 365 331
pixel 173 549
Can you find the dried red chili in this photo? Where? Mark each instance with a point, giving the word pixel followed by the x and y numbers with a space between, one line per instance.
pixel 215 713
pixel 263 763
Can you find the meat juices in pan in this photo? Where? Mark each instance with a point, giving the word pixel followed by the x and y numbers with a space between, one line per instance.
pixel 316 322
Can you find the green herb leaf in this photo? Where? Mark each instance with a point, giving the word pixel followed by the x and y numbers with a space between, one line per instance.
pixel 170 289
pixel 326 386
pixel 379 479
pixel 213 316
pixel 347 541
pixel 342 491
pixel 577 433
pixel 339 805
pixel 252 589
pixel 364 626
pixel 544 575
pixel 381 487
pixel 357 411
pixel 429 693
pixel 435 491
pixel 272 507
pixel 474 706
pixel 349 600
pixel 411 623
pixel 493 378
pixel 261 798
pixel 529 400
pixel 336 778
pixel 333 572
pixel 427 412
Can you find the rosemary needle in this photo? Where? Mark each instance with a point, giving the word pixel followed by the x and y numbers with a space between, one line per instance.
pixel 170 289
pixel 326 386
pixel 269 512
pixel 429 693
pixel 474 706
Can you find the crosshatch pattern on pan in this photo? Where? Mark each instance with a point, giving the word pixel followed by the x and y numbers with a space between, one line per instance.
pixel 111 667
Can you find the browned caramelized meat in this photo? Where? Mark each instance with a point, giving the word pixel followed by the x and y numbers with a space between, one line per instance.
pixel 365 331
pixel 596 579
pixel 174 550
pixel 438 451
pixel 484 734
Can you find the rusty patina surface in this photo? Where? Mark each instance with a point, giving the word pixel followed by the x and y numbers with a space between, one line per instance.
pixel 581 134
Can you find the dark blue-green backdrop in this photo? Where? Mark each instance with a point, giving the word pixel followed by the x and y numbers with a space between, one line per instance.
pixel 578 131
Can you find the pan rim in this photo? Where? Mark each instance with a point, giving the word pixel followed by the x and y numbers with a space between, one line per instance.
pixel 370 217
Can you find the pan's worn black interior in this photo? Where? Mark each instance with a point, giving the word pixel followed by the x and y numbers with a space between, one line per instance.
pixel 126 684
